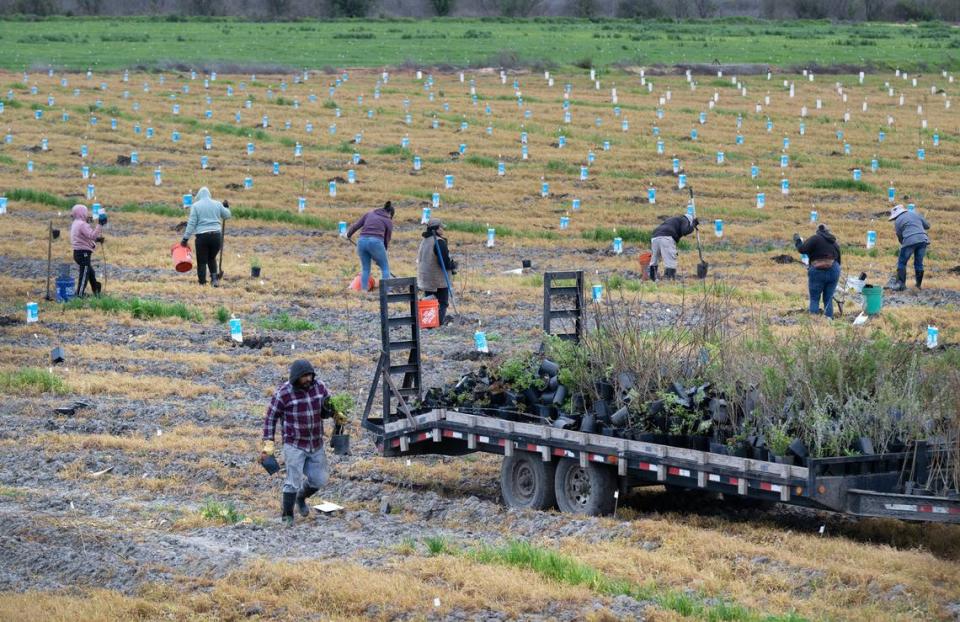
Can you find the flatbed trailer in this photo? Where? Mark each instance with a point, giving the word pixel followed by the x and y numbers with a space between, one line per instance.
pixel 545 467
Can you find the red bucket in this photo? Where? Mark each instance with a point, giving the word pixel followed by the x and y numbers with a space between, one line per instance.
pixel 182 258
pixel 355 283
pixel 644 260
pixel 429 311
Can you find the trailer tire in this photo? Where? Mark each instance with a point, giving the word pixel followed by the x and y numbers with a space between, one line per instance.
pixel 585 490
pixel 526 482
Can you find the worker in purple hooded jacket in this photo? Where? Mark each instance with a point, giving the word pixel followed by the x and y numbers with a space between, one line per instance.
pixel 376 228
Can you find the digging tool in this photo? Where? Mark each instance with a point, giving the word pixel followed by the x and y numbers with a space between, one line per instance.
pixel 52 234
pixel 703 265
pixel 223 232
pixel 103 261
pixel 446 277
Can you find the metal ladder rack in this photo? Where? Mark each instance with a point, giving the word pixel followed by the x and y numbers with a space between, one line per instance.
pixel 399 334
pixel 553 294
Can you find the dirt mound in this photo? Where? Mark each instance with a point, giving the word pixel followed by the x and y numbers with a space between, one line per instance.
pixel 783 259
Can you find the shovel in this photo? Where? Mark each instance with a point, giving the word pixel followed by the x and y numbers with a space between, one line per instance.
pixel 703 265
pixel 223 231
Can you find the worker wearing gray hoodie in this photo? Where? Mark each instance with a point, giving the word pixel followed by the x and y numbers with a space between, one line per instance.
pixel 911 229
pixel 206 221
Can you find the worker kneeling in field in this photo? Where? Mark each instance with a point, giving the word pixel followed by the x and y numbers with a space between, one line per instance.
pixel 911 229
pixel 302 403
pixel 434 266
pixel 663 244
pixel 823 273
pixel 206 220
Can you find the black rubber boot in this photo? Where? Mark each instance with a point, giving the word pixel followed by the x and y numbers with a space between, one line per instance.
pixel 289 500
pixel 901 280
pixel 97 287
pixel 305 493
pixel 670 273
pixel 918 275
pixel 653 273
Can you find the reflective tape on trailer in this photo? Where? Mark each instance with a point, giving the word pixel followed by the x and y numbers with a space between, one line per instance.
pixel 922 508
pixel 678 472
pixel 453 434
pixel 770 487
pixel 646 466
pixel 564 453
pixel 602 458
pixel 723 479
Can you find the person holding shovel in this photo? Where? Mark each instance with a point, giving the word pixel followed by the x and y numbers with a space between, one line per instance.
pixel 823 273
pixel 911 229
pixel 663 244
pixel 83 240
pixel 434 266
pixel 302 402
pixel 376 228
pixel 206 221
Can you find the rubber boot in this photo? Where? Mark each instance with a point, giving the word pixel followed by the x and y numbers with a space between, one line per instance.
pixel 653 273
pixel 305 493
pixel 99 286
pixel 214 280
pixel 918 275
pixel 901 280
pixel 289 500
pixel 670 274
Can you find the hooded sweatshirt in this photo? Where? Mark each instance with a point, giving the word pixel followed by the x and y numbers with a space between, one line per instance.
pixel 205 215
pixel 83 237
pixel 911 229
pixel 821 245
pixel 675 227
pixel 375 224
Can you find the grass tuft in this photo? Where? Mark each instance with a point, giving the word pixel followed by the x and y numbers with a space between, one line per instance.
pixel 283 321
pixel 31 381
pixel 139 308
pixel 221 512
pixel 844 184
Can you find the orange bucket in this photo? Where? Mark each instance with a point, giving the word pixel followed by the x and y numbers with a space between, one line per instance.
pixel 429 311
pixel 182 258
pixel 355 283
pixel 644 259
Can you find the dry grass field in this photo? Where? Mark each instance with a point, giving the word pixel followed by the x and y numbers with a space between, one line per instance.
pixel 184 525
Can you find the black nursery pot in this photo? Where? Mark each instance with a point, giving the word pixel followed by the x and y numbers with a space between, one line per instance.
pixel 719 448
pixel 255 271
pixel 604 390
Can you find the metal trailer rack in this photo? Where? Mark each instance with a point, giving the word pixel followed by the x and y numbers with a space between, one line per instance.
pixel 580 472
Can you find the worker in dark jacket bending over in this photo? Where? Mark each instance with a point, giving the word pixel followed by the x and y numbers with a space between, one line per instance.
pixel 911 229
pixel 301 403
pixel 663 244
pixel 434 266
pixel 823 273
pixel 376 229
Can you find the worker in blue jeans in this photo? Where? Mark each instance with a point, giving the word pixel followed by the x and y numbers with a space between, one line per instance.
pixel 376 228
pixel 823 273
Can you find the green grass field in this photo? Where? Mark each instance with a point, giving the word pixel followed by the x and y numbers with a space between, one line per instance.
pixel 76 43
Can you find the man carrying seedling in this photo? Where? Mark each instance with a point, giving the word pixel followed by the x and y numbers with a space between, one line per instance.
pixel 663 244
pixel 302 403
pixel 911 230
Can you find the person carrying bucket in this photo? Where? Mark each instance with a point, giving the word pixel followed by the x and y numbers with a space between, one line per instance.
pixel 911 229
pixel 302 402
pixel 823 273
pixel 83 240
pixel 663 244
pixel 434 266
pixel 376 228
pixel 206 221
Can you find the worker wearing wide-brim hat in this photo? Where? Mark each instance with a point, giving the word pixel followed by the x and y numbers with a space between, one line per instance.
pixel 911 229
pixel 434 266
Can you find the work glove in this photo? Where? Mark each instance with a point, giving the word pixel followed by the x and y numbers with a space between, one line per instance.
pixel 266 449
pixel 696 223
pixel 102 219
pixel 99 240
pixel 226 204
pixel 183 242
pixel 797 240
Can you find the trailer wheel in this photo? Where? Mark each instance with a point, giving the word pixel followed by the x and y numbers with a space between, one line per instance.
pixel 585 490
pixel 526 482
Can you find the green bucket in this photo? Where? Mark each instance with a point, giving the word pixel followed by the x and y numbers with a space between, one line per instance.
pixel 872 299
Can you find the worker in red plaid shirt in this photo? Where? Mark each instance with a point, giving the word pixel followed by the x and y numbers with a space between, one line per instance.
pixel 302 404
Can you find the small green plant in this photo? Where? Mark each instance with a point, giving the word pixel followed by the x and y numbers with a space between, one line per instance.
pixel 255 262
pixel 221 512
pixel 778 441
pixel 520 372
pixel 31 381
pixel 342 403
pixel 437 545
pixel 223 315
